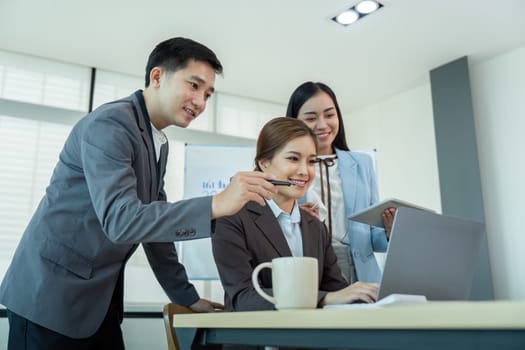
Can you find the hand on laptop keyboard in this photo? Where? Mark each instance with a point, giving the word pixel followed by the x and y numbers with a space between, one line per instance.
pixel 357 292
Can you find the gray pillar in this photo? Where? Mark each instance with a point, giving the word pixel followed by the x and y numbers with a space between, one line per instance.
pixel 457 157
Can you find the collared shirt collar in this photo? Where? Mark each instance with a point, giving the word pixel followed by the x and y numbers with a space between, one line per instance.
pixel 295 216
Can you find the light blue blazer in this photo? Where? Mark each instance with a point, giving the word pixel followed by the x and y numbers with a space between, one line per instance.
pixel 359 192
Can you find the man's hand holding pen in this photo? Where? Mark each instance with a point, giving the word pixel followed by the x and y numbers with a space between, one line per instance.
pixel 244 187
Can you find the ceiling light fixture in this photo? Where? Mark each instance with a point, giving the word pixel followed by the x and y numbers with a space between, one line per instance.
pixel 347 17
pixel 357 12
pixel 367 6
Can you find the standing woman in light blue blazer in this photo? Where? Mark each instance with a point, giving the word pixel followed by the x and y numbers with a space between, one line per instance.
pixel 345 183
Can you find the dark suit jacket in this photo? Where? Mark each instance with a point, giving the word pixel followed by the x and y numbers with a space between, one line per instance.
pixel 103 199
pixel 252 236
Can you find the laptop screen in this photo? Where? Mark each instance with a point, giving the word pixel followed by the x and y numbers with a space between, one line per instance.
pixel 432 255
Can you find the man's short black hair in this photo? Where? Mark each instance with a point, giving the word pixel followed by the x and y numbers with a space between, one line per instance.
pixel 174 54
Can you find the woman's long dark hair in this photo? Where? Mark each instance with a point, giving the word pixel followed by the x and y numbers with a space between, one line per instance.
pixel 306 91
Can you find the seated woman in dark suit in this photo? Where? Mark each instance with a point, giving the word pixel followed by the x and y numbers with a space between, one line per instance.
pixel 287 149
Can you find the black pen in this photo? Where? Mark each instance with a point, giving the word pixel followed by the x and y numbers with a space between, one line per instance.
pixel 280 183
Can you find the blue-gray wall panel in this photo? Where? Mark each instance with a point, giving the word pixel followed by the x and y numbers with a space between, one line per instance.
pixel 457 157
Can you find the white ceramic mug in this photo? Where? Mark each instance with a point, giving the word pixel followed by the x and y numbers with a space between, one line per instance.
pixel 295 282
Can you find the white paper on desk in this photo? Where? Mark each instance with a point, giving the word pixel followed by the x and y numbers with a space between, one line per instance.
pixel 392 299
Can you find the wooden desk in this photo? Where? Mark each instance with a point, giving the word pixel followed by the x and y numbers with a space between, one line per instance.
pixel 490 325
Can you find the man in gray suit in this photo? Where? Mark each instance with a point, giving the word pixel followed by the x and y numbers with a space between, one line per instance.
pixel 64 287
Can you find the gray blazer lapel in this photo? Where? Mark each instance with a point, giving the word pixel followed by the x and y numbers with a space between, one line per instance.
pixel 148 144
pixel 264 219
pixel 348 171
pixel 163 158
pixel 162 165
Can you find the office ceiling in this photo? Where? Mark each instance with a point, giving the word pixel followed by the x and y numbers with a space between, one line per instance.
pixel 269 47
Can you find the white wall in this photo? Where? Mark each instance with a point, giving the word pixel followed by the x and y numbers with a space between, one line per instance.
pixel 401 129
pixel 498 94
pixel 144 333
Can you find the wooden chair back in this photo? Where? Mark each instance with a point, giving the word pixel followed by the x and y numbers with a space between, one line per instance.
pixel 168 311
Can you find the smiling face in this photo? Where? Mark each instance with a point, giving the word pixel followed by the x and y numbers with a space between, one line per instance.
pixel 320 114
pixel 177 98
pixel 294 162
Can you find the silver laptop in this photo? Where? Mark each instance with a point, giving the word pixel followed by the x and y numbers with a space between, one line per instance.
pixel 432 255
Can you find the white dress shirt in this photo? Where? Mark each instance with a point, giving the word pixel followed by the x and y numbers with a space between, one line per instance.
pixel 159 138
pixel 290 225
pixel 339 224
